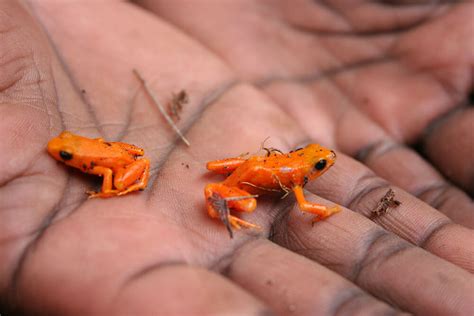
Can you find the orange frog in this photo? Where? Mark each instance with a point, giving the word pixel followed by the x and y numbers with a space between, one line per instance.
pixel 116 162
pixel 275 172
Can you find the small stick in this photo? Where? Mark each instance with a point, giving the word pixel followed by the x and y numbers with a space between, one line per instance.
pixel 284 188
pixel 258 187
pixel 242 197
pixel 269 150
pixel 272 150
pixel 222 207
pixel 259 149
pixel 160 107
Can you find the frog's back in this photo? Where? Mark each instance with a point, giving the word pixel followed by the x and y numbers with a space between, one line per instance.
pixel 101 153
pixel 258 170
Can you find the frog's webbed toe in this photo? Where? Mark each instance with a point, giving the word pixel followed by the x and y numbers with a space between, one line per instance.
pixel 102 194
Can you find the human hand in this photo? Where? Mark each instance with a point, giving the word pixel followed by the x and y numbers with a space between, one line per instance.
pixel 252 70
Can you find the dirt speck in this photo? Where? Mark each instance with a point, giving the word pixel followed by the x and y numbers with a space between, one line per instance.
pixel 387 201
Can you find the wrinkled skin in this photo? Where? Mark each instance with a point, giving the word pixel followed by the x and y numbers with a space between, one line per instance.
pixel 382 83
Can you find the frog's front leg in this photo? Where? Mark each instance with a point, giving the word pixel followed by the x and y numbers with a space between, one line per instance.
pixel 106 191
pixel 126 178
pixel 225 166
pixel 320 210
pixel 220 199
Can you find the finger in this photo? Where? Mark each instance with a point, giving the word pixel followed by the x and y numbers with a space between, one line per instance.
pixel 122 256
pixel 406 169
pixel 428 81
pixel 324 29
pixel 383 264
pixel 183 290
pixel 168 288
pixel 357 135
pixel 415 227
pixel 450 84
pixel 379 17
pixel 353 131
pixel 413 74
pixel 450 146
pixel 293 284
pixel 354 186
pixel 235 18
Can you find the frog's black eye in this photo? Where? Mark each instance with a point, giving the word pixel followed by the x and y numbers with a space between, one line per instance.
pixel 320 165
pixel 65 155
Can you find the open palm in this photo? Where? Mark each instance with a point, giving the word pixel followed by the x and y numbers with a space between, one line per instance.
pixel 366 79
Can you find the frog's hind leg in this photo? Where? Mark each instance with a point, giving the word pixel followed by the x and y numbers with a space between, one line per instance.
pixel 220 199
pixel 106 191
pixel 132 178
pixel 225 166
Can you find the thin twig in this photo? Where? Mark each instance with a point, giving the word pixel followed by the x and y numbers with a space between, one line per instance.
pixel 284 188
pixel 272 150
pixel 160 107
pixel 220 204
pixel 242 197
pixel 259 187
pixel 259 149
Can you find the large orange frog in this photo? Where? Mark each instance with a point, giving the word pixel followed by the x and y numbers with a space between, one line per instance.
pixel 116 162
pixel 275 172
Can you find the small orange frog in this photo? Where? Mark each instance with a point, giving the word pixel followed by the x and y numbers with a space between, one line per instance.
pixel 275 172
pixel 116 162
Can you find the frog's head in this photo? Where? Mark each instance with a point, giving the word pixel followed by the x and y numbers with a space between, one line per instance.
pixel 62 147
pixel 319 160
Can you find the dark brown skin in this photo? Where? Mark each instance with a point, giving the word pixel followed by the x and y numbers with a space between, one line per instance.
pixel 367 79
